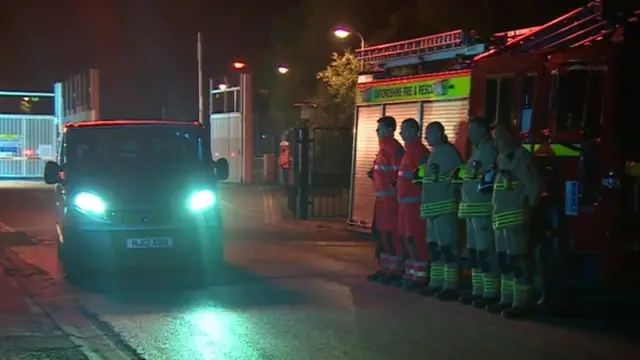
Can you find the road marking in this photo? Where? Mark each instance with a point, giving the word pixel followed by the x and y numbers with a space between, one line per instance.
pixel 269 210
pixel 6 228
pixel 265 209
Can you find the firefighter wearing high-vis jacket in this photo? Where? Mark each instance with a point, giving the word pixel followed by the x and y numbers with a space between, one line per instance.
pixel 516 191
pixel 412 228
pixel 476 209
pixel 385 177
pixel 440 197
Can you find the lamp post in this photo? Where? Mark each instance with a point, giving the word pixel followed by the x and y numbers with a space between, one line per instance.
pixel 343 33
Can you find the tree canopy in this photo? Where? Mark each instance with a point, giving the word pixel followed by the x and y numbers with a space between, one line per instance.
pixel 335 94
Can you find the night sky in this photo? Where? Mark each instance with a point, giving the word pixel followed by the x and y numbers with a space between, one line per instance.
pixel 146 49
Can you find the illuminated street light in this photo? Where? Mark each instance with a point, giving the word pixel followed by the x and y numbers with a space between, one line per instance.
pixel 239 65
pixel 222 86
pixel 283 69
pixel 344 33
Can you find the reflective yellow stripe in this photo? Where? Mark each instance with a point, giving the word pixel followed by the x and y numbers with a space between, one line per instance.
pixel 438 208
pixel 633 169
pixel 572 150
pixel 508 218
pixel 466 210
pixel 432 179
pixel 505 185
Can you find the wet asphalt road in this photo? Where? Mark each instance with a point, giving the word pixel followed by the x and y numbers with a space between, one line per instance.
pixel 292 295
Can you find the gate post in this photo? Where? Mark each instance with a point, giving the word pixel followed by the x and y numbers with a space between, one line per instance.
pixel 303 175
pixel 302 138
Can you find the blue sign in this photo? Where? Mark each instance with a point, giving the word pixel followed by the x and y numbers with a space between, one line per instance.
pixel 571 198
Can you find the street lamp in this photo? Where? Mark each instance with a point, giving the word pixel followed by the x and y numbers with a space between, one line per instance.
pixel 222 86
pixel 282 69
pixel 239 65
pixel 344 33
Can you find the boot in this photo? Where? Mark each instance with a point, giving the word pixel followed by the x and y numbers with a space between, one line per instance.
pixel 519 312
pixel 415 286
pixel 448 295
pixel 469 299
pixel 483 302
pixel 430 291
pixel 498 308
pixel 554 307
pixel 388 279
pixel 375 276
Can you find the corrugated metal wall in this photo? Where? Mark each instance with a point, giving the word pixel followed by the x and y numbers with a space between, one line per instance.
pixel 452 114
pixel 26 143
pixel 226 141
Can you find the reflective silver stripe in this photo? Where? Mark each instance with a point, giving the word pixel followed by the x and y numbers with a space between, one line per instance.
pixel 386 168
pixel 409 200
pixel 386 193
pixel 405 174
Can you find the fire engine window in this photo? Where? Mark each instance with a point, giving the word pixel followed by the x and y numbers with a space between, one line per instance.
pixel 593 116
pixel 527 91
pixel 527 103
pixel 571 95
pixel 491 99
pixel 505 91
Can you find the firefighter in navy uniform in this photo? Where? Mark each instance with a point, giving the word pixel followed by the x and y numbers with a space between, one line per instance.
pixel 439 207
pixel 516 191
pixel 412 228
pixel 384 174
pixel 476 209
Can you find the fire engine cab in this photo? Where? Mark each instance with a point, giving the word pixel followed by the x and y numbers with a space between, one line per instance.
pixel 571 88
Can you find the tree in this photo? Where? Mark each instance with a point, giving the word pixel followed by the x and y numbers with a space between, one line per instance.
pixel 335 95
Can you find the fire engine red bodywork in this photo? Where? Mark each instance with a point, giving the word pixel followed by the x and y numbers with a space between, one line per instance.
pixel 593 231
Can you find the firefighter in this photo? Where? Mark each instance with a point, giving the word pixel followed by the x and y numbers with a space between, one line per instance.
pixel 516 190
pixel 412 228
pixel 440 207
pixel 476 209
pixel 384 174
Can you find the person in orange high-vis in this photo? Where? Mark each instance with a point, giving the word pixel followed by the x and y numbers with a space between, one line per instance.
pixel 412 229
pixel 385 177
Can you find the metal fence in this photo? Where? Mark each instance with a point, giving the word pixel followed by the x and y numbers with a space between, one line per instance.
pixel 26 143
pixel 330 172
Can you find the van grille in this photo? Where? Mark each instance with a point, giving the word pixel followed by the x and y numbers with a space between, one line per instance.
pixel 140 216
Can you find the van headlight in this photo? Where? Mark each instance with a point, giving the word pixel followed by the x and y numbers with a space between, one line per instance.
pixel 89 203
pixel 201 200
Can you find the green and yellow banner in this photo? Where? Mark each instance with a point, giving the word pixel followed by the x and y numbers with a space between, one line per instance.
pixel 432 90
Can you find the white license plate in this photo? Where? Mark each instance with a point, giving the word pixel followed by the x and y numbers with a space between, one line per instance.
pixel 150 243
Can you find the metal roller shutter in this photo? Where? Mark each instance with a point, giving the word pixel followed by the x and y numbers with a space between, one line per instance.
pixel 452 114
pixel 401 112
pixel 366 147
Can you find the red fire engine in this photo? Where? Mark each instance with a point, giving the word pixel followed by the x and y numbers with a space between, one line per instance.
pixel 572 88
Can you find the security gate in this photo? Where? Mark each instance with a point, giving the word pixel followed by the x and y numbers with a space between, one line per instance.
pixel 26 143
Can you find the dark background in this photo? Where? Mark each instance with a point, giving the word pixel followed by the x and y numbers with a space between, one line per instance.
pixel 146 49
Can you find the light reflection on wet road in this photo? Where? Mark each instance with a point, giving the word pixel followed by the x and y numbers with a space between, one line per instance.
pixel 288 297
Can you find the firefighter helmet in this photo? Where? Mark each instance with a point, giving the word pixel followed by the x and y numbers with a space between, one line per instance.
pixel 487 180
pixel 458 174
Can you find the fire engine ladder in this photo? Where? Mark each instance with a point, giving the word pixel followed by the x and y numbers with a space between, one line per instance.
pixel 429 48
pixel 568 29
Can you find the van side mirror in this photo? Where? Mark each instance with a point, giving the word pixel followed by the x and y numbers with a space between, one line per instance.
pixel 222 169
pixel 51 172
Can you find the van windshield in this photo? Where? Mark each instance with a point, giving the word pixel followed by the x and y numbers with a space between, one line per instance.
pixel 129 148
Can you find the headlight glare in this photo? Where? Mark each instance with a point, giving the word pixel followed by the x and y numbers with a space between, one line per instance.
pixel 202 200
pixel 89 203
